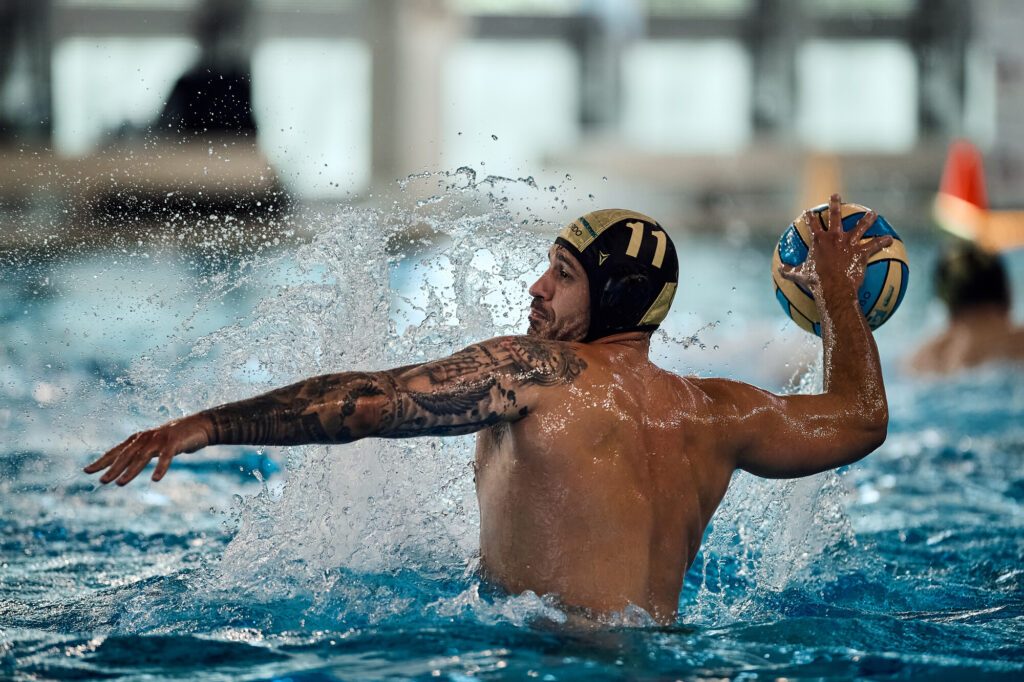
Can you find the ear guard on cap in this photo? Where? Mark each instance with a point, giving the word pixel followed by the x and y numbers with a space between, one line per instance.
pixel 631 266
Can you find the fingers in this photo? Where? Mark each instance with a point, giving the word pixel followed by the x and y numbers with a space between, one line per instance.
pixel 140 449
pixel 863 225
pixel 111 455
pixel 117 468
pixel 835 213
pixel 792 273
pixel 103 462
pixel 811 221
pixel 877 244
pixel 162 466
pixel 126 461
pixel 134 468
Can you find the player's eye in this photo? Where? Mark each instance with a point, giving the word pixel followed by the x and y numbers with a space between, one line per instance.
pixel 563 273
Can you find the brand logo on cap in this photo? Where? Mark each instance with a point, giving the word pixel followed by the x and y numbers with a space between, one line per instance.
pixel 601 257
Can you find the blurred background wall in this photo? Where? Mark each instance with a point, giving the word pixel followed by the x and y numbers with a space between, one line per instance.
pixel 713 114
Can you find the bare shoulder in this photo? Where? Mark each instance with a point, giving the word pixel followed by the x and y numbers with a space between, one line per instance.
pixel 1017 344
pixel 515 360
pixel 726 397
pixel 737 411
pixel 538 361
pixel 927 358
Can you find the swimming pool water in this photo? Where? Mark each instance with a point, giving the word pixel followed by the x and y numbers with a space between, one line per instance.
pixel 357 562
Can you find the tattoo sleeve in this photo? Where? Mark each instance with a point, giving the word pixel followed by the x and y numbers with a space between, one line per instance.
pixel 474 388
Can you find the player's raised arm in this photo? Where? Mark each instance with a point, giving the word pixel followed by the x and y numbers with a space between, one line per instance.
pixel 788 436
pixel 498 380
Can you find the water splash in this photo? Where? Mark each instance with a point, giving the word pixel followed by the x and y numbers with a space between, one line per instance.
pixel 371 290
pixel 375 289
pixel 770 534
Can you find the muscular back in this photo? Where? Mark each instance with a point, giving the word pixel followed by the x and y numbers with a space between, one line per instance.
pixel 601 494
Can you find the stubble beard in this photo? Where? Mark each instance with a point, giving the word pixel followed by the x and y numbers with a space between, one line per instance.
pixel 539 328
pixel 544 329
pixel 536 330
pixel 548 327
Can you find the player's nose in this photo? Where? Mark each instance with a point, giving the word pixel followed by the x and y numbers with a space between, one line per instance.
pixel 541 288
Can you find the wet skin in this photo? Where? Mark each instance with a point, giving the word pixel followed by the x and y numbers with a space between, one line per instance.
pixel 596 471
pixel 982 334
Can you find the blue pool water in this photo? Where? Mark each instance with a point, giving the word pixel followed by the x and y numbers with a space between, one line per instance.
pixel 357 562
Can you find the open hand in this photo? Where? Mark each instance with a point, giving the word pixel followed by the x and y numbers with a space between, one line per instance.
pixel 835 256
pixel 127 460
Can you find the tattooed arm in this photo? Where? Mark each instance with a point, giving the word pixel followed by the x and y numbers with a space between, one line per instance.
pixel 498 380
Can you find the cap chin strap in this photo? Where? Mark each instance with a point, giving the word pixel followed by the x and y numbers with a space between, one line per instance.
pixel 595 335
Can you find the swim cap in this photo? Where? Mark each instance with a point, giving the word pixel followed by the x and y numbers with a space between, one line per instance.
pixel 967 277
pixel 632 269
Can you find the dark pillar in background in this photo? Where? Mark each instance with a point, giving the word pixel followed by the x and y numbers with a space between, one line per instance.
pixel 771 34
pixel 939 33
pixel 600 36
pixel 26 110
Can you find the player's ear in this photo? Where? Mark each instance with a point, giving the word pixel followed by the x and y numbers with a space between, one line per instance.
pixel 626 286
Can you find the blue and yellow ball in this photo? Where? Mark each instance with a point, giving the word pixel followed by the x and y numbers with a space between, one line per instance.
pixel 885 279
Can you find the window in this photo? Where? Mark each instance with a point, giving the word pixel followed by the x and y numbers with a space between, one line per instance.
pixel 687 95
pixel 891 8
pixel 856 95
pixel 103 84
pixel 699 7
pixel 311 100
pixel 516 6
pixel 524 92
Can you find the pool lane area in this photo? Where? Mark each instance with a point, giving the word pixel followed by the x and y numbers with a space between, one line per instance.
pixel 358 562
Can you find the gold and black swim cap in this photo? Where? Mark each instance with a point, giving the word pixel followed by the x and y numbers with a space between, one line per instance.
pixel 632 267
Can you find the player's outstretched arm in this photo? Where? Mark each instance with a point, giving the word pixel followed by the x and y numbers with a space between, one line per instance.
pixel 498 380
pixel 788 436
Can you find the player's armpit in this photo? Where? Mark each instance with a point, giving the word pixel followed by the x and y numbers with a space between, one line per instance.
pixel 789 436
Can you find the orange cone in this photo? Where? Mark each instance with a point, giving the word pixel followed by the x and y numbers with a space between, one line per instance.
pixel 964 174
pixel 961 206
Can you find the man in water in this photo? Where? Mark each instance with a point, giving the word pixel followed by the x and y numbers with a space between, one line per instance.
pixel 596 471
pixel 974 286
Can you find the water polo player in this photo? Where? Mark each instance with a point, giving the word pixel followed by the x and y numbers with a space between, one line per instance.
pixel 596 471
pixel 975 288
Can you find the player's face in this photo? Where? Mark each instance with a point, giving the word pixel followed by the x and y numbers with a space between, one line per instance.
pixel 560 310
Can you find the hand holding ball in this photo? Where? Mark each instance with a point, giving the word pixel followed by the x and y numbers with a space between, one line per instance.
pixel 885 277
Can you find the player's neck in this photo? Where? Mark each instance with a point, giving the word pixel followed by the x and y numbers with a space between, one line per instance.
pixel 982 316
pixel 640 341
